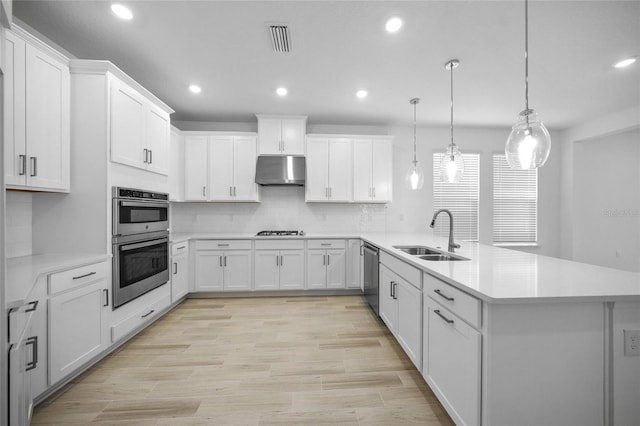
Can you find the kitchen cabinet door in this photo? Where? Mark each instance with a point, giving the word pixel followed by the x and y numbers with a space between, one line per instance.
pixel 453 369
pixel 15 148
pixel 157 135
pixel 354 264
pixel 336 268
pixel 220 168
pixel 176 166
pixel 209 270
pixel 339 169
pixel 237 270
pixel 195 171
pixel 388 306
pixel 76 327
pixel 362 160
pixel 244 168
pixel 381 169
pixel 179 276
pixel 316 269
pixel 292 269
pixel 267 270
pixel 270 135
pixel 409 331
pixel 293 134
pixel 316 184
pixel 128 117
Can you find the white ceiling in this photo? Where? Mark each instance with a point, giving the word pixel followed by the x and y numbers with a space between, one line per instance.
pixel 341 46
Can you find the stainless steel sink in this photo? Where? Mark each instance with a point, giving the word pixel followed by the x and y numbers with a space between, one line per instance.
pixel 442 257
pixel 417 250
pixel 428 253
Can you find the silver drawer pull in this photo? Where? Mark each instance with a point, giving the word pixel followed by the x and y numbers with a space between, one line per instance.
pixel 439 293
pixel 22 166
pixel 84 276
pixel 181 248
pixel 325 244
pixel 148 313
pixel 223 245
pixel 437 312
pixel 34 354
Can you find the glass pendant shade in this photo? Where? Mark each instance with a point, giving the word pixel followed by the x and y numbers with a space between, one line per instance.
pixel 414 178
pixel 451 165
pixel 529 143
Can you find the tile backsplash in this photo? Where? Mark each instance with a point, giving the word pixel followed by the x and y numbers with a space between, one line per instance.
pixel 18 224
pixel 280 208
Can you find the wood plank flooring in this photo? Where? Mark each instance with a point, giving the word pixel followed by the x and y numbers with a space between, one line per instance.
pixel 253 361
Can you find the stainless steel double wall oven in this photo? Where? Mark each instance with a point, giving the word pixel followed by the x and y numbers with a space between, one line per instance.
pixel 140 243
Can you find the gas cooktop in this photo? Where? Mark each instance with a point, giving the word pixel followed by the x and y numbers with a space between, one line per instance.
pixel 279 233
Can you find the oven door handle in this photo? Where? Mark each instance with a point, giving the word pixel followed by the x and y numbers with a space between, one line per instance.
pixel 143 204
pixel 127 247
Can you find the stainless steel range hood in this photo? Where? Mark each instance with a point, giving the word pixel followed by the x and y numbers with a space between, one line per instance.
pixel 280 170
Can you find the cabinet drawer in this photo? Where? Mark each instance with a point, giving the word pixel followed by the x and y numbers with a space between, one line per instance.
pixel 63 281
pixel 141 317
pixel 179 248
pixel 460 303
pixel 223 245
pixel 325 244
pixel 402 268
pixel 280 245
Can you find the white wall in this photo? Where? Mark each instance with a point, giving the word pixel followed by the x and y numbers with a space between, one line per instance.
pixel 18 235
pixel 284 208
pixel 606 204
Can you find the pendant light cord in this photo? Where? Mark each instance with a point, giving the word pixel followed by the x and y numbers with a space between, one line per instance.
pixel 452 144
pixel 414 134
pixel 526 55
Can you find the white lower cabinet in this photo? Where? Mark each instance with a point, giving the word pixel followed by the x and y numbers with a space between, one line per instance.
pixel 223 265
pixel 179 271
pixel 453 363
pixel 354 264
pixel 279 265
pixel 79 300
pixel 401 310
pixel 326 264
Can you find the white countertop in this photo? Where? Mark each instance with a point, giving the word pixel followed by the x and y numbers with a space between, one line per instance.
pixel 494 274
pixel 180 237
pixel 499 275
pixel 24 271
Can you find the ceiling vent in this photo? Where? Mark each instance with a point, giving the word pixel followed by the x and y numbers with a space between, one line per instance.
pixel 280 38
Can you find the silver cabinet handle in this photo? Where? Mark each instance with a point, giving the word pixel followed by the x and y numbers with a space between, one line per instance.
pixel 181 248
pixel 34 166
pixel 148 313
pixel 225 261
pixel 325 244
pixel 330 192
pixel 33 341
pixel 277 260
pixel 150 156
pixel 281 260
pixel 220 261
pixel 395 286
pixel 391 289
pixel 437 312
pixel 146 155
pixel 105 291
pixel 324 260
pixel 374 192
pixel 175 268
pixel 34 306
pixel 328 259
pixel 223 245
pixel 204 188
pixel 234 192
pixel 22 168
pixel 84 276
pixel 439 293
pixel 230 191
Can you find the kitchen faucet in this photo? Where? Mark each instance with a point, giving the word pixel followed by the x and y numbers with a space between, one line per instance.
pixel 452 245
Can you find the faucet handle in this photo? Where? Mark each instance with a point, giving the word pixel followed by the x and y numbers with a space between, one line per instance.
pixel 456 245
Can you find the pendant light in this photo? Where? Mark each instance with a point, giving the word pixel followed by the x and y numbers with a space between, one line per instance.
pixel 529 143
pixel 452 163
pixel 414 178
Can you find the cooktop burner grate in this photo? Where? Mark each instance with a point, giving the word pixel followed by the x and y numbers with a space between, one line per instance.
pixel 279 233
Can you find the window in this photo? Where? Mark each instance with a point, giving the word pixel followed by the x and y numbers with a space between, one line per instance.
pixel 515 203
pixel 461 198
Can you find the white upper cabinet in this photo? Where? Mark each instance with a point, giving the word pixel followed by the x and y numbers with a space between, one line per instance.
pixel 176 166
pixel 220 166
pixel 281 135
pixel 36 115
pixel 140 132
pixel 328 169
pixel 372 170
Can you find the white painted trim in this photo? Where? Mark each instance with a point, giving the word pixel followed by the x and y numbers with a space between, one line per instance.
pixel 41 45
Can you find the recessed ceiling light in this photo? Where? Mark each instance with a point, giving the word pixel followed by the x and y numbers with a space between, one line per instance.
pixel 282 91
pixel 362 94
pixel 122 12
pixel 393 25
pixel 195 88
pixel 625 62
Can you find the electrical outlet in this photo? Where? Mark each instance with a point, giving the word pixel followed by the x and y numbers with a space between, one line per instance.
pixel 631 342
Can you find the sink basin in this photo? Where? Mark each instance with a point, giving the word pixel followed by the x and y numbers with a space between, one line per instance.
pixel 417 250
pixel 442 257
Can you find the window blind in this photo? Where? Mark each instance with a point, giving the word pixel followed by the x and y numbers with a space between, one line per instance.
pixel 461 198
pixel 515 203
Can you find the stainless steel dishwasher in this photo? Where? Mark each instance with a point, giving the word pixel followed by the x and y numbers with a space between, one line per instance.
pixel 371 276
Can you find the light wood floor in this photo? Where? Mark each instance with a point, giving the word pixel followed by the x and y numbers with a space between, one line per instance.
pixel 253 361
